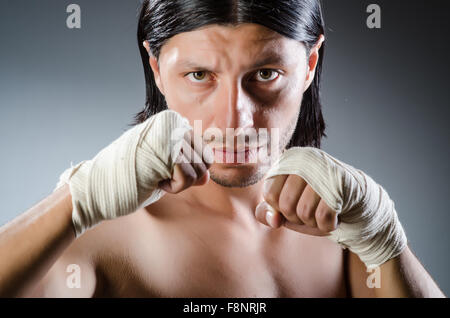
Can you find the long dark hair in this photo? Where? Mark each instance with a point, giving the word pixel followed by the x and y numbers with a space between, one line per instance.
pixel 300 20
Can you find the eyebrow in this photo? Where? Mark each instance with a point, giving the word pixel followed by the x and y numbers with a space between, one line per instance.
pixel 271 58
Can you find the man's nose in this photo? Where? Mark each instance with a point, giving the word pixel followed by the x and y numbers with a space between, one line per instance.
pixel 233 108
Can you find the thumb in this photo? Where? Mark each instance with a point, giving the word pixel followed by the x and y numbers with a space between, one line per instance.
pixel 269 216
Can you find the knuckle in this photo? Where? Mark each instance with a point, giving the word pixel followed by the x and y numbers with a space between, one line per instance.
pixel 305 212
pixel 322 218
pixel 287 207
pixel 271 197
pixel 326 219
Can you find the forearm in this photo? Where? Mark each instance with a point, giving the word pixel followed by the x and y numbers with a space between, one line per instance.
pixel 404 276
pixel 31 243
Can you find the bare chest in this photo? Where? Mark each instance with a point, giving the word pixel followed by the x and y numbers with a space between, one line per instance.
pixel 194 259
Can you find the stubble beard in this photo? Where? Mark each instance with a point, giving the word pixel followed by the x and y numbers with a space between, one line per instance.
pixel 250 174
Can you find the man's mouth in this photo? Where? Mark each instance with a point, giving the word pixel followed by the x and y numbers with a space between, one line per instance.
pixel 235 156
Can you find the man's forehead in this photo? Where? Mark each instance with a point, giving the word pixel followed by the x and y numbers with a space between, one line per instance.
pixel 219 34
pixel 255 44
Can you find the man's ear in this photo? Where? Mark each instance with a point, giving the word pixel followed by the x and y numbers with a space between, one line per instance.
pixel 312 62
pixel 155 67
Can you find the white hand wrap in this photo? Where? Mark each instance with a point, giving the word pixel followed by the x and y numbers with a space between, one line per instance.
pixel 369 224
pixel 126 173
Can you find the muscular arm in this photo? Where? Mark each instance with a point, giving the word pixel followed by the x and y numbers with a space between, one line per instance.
pixel 31 243
pixel 402 276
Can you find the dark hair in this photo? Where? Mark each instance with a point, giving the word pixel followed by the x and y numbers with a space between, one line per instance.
pixel 300 20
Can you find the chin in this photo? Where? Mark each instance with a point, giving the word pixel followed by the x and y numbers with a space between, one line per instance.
pixel 237 175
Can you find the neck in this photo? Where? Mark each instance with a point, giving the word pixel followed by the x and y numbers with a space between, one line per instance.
pixel 235 203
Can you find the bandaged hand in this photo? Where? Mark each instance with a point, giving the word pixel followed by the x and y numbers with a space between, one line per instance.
pixel 133 170
pixel 309 191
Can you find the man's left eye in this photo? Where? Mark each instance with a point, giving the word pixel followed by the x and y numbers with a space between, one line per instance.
pixel 267 75
pixel 197 77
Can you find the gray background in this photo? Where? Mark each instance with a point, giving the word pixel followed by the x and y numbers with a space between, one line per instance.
pixel 65 94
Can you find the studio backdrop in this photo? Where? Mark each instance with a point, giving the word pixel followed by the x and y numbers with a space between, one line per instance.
pixel 70 87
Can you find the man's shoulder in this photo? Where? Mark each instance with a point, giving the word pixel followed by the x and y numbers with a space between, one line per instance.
pixel 109 235
pixel 80 270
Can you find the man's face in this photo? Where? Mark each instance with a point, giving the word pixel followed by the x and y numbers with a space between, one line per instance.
pixel 245 78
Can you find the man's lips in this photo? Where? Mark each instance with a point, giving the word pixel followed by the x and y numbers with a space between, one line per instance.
pixel 235 151
pixel 235 156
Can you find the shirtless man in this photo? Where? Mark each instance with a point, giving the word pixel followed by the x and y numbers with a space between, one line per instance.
pixel 209 235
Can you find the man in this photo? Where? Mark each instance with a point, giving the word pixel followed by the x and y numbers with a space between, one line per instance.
pixel 231 236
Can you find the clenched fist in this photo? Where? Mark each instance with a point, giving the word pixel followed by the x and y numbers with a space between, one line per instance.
pixel 309 191
pixel 291 202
